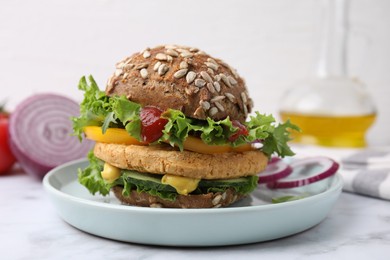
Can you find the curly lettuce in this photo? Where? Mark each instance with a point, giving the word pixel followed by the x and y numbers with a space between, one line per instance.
pixel 98 109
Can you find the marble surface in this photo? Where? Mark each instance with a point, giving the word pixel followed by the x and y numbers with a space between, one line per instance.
pixel 358 227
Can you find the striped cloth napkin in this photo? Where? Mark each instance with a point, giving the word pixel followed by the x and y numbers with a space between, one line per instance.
pixel 364 171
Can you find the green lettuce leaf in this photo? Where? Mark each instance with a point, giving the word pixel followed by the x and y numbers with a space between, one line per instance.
pixel 177 128
pixel 276 142
pixel 91 176
pixel 210 131
pixel 128 114
pixel 261 128
pixel 97 109
pixel 287 198
pixel 243 185
pixel 94 109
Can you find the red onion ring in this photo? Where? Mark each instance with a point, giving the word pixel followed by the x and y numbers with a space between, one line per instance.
pixel 276 169
pixel 40 133
pixel 330 168
pixel 274 159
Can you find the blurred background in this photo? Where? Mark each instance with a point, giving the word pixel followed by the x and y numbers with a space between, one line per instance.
pixel 46 46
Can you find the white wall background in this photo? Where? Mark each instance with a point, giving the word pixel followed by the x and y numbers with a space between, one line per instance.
pixel 46 46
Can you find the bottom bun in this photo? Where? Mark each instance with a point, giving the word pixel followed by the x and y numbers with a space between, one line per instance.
pixel 209 200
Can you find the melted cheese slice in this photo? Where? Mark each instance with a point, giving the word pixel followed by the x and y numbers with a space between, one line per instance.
pixel 183 185
pixel 110 173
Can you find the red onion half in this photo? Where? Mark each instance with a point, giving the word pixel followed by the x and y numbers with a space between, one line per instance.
pixel 40 133
pixel 328 168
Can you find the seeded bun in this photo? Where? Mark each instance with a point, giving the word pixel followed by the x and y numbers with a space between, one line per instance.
pixel 209 200
pixel 182 78
pixel 164 159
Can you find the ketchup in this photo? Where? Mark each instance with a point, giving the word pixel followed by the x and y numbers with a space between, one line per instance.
pixel 241 131
pixel 152 124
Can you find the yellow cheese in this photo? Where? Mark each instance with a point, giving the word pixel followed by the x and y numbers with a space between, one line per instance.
pixel 110 173
pixel 183 185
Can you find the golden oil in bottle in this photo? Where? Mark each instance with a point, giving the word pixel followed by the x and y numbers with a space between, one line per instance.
pixel 335 131
pixel 330 107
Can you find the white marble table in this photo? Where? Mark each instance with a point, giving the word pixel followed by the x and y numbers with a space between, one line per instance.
pixel 357 228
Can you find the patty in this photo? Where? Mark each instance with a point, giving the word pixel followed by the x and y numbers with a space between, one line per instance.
pixel 163 159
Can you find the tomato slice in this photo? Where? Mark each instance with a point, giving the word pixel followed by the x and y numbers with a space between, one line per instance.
pixel 194 144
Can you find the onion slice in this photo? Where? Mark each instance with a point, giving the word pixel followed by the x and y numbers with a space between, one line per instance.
pixel 274 159
pixel 276 169
pixel 40 133
pixel 329 167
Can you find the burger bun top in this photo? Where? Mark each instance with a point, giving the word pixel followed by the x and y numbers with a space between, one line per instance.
pixel 182 78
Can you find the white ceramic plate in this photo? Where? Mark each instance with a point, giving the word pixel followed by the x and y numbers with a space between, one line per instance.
pixel 253 219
